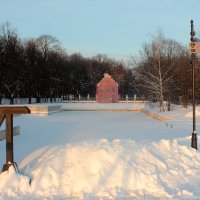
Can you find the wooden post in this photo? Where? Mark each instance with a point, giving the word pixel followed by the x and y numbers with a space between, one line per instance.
pixel 9 138
pixel 7 112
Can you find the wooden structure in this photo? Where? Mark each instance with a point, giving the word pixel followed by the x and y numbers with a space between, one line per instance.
pixel 107 90
pixel 16 131
pixel 6 112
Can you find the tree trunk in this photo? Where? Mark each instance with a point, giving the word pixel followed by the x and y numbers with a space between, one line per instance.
pixel 161 104
pixel 1 97
pixel 185 100
pixel 11 100
pixel 29 100
pixel 161 87
pixel 169 105
pixel 38 99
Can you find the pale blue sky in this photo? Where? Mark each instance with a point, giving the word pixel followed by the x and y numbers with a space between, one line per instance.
pixel 117 28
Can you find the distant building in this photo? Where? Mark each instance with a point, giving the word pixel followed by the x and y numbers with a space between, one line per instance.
pixel 107 90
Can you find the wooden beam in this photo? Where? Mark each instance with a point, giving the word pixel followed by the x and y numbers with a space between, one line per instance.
pixel 2 117
pixel 14 109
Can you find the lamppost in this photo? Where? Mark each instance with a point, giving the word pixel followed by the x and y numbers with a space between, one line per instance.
pixel 192 62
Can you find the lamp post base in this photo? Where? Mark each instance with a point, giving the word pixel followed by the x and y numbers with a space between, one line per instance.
pixel 194 141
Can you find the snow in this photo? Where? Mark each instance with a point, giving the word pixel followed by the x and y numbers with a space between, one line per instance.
pixel 190 114
pixel 103 155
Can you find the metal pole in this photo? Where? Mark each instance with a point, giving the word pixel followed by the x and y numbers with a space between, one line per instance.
pixel 193 56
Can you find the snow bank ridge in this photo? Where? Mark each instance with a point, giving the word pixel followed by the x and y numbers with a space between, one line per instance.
pixel 120 169
pixel 135 107
pixel 155 115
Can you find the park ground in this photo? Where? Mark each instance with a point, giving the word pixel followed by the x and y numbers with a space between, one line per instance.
pixel 103 155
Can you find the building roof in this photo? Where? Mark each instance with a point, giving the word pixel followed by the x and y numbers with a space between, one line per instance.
pixel 106 77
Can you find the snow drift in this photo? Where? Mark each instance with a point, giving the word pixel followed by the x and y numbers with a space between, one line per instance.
pixel 119 169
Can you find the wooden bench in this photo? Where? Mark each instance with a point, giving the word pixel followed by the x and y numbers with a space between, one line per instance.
pixel 16 131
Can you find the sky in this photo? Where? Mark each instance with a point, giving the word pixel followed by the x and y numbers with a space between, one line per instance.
pixel 117 28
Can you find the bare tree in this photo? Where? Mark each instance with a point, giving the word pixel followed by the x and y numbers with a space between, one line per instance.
pixel 47 44
pixel 50 48
pixel 155 70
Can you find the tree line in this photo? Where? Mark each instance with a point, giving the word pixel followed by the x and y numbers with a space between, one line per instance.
pixel 41 68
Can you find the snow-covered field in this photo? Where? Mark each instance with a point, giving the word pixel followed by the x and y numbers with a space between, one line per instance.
pixel 103 155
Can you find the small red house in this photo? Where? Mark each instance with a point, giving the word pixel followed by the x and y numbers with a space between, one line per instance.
pixel 107 90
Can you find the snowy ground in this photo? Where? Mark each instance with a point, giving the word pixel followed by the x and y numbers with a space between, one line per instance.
pixel 103 155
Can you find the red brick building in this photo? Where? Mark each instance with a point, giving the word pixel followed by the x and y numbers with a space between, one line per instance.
pixel 107 90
